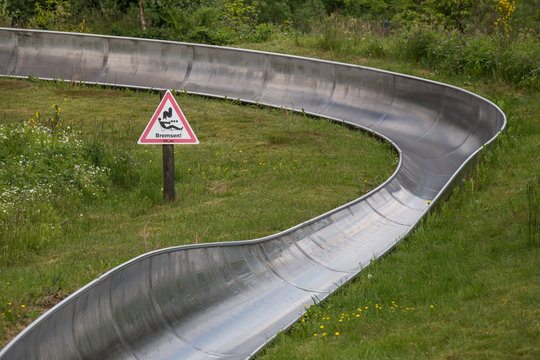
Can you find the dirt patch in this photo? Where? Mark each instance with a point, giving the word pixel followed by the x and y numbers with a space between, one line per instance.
pixel 13 84
pixel 292 137
pixel 301 134
pixel 48 301
pixel 12 331
pixel 82 93
pixel 41 306
pixel 218 188
pixel 425 72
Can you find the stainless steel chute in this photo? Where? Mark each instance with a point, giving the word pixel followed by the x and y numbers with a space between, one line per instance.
pixel 227 300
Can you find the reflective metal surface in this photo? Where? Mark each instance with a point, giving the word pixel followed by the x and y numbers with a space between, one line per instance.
pixel 227 300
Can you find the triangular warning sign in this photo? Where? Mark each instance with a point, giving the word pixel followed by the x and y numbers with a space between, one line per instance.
pixel 168 125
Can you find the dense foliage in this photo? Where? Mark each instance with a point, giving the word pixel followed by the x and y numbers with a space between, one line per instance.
pixel 493 38
pixel 228 20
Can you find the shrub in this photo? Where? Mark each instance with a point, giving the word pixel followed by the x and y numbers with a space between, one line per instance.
pixel 310 12
pixel 274 11
pixel 372 45
pixel 451 52
pixel 331 36
pixel 415 43
pixel 445 51
pixel 262 33
pixel 6 17
pixel 479 57
pixel 519 63
pixel 56 15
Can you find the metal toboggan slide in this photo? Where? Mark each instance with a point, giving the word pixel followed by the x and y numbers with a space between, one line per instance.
pixel 227 300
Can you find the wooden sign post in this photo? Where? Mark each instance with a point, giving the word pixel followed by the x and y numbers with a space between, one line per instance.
pixel 169 193
pixel 168 173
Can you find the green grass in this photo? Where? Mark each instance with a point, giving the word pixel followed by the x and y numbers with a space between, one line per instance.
pixel 255 172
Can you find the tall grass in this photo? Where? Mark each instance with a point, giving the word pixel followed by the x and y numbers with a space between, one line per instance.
pixel 512 60
pixel 533 212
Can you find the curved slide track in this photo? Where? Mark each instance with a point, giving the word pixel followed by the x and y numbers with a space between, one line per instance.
pixel 227 300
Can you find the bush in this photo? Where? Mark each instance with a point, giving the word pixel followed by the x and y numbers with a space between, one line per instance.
pixel 479 56
pixel 490 56
pixel 331 36
pixel 262 33
pixel 415 43
pixel 371 45
pixel 56 15
pixel 519 63
pixel 274 11
pixel 445 51
pixel 312 11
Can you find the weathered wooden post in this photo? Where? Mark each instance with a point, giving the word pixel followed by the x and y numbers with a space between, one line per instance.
pixel 168 173
pixel 169 193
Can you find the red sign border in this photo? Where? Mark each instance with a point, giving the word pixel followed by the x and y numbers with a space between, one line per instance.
pixel 192 137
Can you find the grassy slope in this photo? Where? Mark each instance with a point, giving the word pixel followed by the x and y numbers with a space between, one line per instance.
pixel 256 172
pixel 466 283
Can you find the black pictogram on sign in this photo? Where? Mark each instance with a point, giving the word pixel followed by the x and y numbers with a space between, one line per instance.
pixel 168 124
